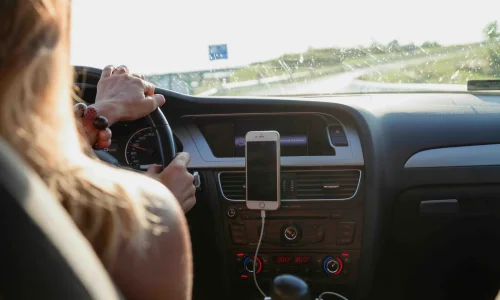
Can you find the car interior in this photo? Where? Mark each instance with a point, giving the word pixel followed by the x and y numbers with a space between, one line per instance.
pixel 383 196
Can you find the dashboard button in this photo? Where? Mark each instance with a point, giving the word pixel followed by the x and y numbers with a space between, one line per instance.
pixel 344 240
pixel 238 234
pixel 291 233
pixel 339 141
pixel 346 233
pixel 231 212
pixel 320 234
pixel 240 241
pixel 336 131
pixel 336 215
pixel 347 225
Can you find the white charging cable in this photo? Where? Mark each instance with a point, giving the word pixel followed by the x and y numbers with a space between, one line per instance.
pixel 320 297
pixel 263 216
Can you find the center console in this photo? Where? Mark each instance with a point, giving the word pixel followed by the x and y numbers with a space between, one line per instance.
pixel 316 234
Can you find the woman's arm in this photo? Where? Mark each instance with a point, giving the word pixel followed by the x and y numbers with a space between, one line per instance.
pixel 162 267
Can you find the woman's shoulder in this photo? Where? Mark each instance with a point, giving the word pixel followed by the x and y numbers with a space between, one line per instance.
pixel 155 210
pixel 151 263
pixel 141 188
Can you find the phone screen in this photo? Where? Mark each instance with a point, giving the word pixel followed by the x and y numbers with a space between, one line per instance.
pixel 262 176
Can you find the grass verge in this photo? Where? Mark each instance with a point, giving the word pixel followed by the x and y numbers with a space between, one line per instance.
pixel 470 64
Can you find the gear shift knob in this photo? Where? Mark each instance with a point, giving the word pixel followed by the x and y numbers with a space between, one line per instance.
pixel 289 287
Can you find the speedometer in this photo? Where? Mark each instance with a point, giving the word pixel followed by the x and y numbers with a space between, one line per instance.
pixel 142 149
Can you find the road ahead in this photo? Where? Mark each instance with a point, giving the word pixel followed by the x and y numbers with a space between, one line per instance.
pixel 344 82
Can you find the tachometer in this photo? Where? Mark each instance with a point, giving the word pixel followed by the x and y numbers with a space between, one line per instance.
pixel 142 149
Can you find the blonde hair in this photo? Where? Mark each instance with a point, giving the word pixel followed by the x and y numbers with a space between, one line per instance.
pixel 37 120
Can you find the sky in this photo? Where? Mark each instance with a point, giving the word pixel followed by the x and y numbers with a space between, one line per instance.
pixel 164 36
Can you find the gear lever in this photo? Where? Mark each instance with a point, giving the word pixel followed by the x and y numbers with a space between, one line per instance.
pixel 289 287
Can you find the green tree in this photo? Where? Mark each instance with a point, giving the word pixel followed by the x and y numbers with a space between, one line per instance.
pixel 394 46
pixel 377 48
pixel 429 44
pixel 494 59
pixel 491 31
pixel 491 34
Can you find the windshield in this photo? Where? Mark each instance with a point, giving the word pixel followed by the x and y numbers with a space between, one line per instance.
pixel 276 47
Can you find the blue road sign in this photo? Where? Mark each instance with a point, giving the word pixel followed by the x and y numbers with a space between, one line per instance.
pixel 217 52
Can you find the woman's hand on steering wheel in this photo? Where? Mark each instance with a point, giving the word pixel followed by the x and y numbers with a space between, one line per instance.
pixel 177 179
pixel 122 96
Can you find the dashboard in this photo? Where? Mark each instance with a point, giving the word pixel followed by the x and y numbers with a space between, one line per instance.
pixel 385 196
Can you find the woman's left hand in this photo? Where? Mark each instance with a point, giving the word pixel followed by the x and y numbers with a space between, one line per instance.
pixel 125 97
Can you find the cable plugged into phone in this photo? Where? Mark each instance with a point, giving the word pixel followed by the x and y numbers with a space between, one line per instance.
pixel 263 171
pixel 263 217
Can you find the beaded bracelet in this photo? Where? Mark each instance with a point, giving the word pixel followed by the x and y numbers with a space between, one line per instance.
pixel 90 113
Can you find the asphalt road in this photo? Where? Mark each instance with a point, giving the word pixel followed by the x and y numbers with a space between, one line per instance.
pixel 344 82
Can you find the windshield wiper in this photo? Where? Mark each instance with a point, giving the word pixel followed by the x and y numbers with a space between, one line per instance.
pixel 483 85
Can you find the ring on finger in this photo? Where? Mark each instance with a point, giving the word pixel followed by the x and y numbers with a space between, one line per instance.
pixel 121 69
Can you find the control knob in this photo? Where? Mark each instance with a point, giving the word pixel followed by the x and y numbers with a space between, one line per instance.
pixel 248 265
pixel 291 233
pixel 332 265
pixel 231 212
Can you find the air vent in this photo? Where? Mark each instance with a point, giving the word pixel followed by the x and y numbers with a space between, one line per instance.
pixel 233 185
pixel 334 185
pixel 309 185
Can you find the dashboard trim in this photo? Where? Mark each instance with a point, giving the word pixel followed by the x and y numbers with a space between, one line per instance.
pixel 202 156
pixel 296 200
pixel 464 156
pixel 261 114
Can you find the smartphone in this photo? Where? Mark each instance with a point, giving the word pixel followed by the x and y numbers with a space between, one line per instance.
pixel 262 164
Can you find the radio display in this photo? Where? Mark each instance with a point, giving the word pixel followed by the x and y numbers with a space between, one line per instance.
pixel 301 135
pixel 292 259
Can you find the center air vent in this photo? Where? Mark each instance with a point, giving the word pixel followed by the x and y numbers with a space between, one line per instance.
pixel 299 185
pixel 232 185
pixel 331 185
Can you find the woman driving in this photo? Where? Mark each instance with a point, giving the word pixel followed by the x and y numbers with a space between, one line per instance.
pixel 131 220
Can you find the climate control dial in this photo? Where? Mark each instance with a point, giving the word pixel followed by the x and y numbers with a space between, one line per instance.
pixel 332 265
pixel 248 265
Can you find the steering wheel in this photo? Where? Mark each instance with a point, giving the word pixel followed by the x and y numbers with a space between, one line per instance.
pixel 88 79
pixel 164 136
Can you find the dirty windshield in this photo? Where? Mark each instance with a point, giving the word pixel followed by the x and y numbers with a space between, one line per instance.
pixel 279 48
